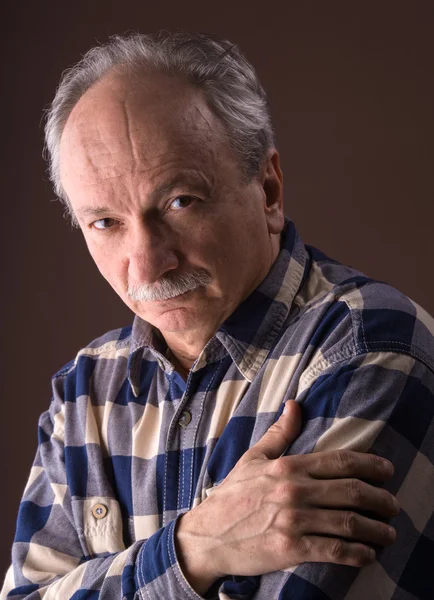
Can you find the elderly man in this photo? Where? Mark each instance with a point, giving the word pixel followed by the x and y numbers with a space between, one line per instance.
pixel 173 461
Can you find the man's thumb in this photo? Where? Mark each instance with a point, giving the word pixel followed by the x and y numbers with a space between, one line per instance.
pixel 280 435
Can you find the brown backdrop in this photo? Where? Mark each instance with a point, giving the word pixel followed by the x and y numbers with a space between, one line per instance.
pixel 351 91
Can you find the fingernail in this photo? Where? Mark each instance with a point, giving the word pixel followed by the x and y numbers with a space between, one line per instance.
pixel 285 408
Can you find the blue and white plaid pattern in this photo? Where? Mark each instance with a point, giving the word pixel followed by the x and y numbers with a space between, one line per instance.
pixel 356 354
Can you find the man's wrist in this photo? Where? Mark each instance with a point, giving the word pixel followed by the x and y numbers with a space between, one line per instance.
pixel 193 556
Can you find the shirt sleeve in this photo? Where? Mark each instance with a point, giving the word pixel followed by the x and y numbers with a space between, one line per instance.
pixel 57 555
pixel 379 402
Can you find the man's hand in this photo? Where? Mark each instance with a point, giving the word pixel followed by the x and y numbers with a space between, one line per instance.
pixel 273 512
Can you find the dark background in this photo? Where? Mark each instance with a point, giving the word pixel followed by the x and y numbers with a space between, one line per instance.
pixel 351 91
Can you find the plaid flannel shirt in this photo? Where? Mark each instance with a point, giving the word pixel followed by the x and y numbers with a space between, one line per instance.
pixel 127 446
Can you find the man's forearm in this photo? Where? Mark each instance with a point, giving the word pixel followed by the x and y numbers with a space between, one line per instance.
pixel 272 513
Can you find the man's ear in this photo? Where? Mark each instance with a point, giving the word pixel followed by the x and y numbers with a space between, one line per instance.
pixel 272 183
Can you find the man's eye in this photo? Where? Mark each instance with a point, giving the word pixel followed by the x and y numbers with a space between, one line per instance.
pixel 103 224
pixel 181 202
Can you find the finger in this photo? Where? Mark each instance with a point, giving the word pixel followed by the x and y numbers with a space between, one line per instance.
pixel 348 524
pixel 279 436
pixel 335 550
pixel 347 463
pixel 351 493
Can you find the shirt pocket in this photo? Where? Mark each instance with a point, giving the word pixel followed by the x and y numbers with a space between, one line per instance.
pixel 99 525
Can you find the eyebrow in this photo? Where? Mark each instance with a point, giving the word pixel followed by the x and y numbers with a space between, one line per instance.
pixel 185 178
pixel 164 189
pixel 97 211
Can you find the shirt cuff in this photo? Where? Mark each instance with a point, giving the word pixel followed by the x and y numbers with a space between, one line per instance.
pixel 158 573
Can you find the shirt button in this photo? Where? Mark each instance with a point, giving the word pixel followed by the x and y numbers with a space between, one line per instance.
pixel 184 419
pixel 99 511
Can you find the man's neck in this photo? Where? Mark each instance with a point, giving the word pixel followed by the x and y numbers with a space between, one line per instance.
pixel 183 350
pixel 182 368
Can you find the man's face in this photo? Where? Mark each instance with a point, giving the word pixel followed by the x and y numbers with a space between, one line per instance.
pixel 159 194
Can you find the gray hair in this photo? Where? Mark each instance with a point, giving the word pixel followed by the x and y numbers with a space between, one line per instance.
pixel 229 82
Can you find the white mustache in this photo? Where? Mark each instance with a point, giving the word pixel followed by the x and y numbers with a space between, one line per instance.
pixel 169 286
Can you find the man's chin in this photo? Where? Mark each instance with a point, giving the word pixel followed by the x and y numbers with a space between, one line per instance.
pixel 179 323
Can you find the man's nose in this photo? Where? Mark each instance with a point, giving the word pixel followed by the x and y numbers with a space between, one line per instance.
pixel 151 253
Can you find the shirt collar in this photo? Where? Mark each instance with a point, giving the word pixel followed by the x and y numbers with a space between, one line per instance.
pixel 251 331
pixel 253 328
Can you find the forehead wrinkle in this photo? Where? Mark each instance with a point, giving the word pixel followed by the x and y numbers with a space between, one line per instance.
pixel 134 106
pixel 122 140
pixel 136 146
pixel 91 153
pixel 128 129
pixel 161 167
pixel 102 151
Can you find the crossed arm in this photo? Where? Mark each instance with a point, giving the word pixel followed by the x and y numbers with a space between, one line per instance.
pixel 286 510
pixel 271 513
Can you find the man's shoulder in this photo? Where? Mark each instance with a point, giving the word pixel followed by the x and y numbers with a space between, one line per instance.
pixel 380 317
pixel 111 346
pixel 385 320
